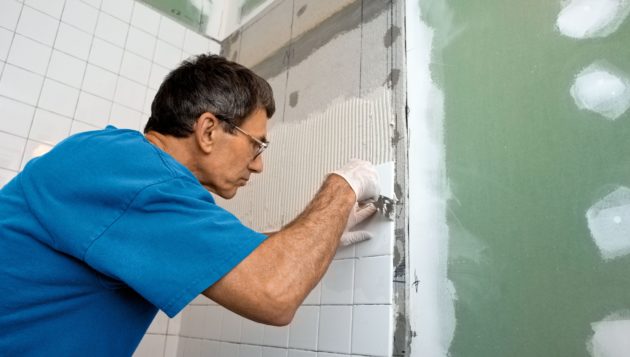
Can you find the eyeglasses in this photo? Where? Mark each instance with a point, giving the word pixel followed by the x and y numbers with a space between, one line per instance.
pixel 261 144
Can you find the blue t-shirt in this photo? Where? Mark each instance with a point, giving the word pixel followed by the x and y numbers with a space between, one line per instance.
pixel 99 234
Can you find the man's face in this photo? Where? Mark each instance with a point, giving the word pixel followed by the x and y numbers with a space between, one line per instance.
pixel 232 160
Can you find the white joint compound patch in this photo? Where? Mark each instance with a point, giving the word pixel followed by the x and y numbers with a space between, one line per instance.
pixel 609 223
pixel 302 153
pixel 602 89
pixel 612 336
pixel 592 18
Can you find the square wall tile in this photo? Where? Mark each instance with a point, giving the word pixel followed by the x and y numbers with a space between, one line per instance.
pixel 49 128
pixel 32 150
pixel 167 55
pixel 335 323
pixel 136 68
pixel 80 15
pixel 80 127
pixel 207 348
pixel 29 54
pixel 100 82
pixel 94 3
pixel 276 336
pixel 93 110
pixel 373 280
pixel 141 43
pixel 227 350
pixel 125 118
pixel 158 73
pixel 20 84
pixel 213 320
pixel 159 324
pixel 130 94
pixel 175 324
pixel 6 37
pixel 106 55
pixel 150 346
pixel 38 26
pixel 300 353
pixel 72 41
pixel 303 328
pixel 145 18
pixel 66 69
pixel 314 297
pixel 191 347
pixel 326 354
pixel 10 14
pixel 16 117
pixel 148 100
pixel 58 98
pixel 195 43
pixel 372 330
pixel 172 32
pixel 192 322
pixel 214 47
pixel 50 7
pixel 172 343
pixel 249 351
pixel 111 29
pixel 337 283
pixel 252 332
pixel 11 150
pixel 119 8
pixel 231 326
pixel 274 352
pixel 6 176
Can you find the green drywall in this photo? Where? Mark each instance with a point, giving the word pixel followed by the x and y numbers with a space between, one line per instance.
pixel 524 164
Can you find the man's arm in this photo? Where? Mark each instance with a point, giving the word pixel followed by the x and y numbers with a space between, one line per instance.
pixel 270 284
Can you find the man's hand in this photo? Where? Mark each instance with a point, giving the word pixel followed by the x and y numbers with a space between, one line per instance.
pixel 362 177
pixel 359 213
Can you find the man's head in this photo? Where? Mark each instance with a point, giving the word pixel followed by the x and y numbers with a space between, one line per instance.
pixel 219 110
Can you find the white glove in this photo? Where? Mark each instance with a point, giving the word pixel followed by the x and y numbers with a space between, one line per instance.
pixel 362 177
pixel 359 213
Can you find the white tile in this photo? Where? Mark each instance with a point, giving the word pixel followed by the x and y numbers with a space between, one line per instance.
pixel 303 328
pixel 158 73
pixel 192 321
pixel 106 55
pixel 141 43
pixel 277 336
pixel 66 69
pixel 145 18
pixel 335 324
pixel 1 66
pixel 29 54
pixel 119 8
pixel 94 3
pixel 93 110
pixel 172 32
pixel 231 326
pixel 326 354
pixel 175 324
pixel 150 346
pixel 373 280
pixel 346 252
pixel 49 128
pixel 32 150
pixel 148 100
pixel 200 300
pixel 20 84
pixel 6 37
pixel 135 67
pixel 11 149
pixel 16 117
pixel 37 26
pixel 80 15
pixel 195 43
pixel 111 29
pixel 337 283
pixel 73 41
pixel 274 352
pixel 100 82
pixel 80 127
pixel 248 350
pixel 191 347
pixel 214 48
pixel 130 93
pixel 228 350
pixel 371 330
pixel 167 55
pixel 123 117
pixel 252 332
pixel 10 13
pixel 58 98
pixel 299 353
pixel 213 320
pixel 50 7
pixel 209 348
pixel 186 56
pixel 314 297
pixel 172 343
pixel 159 324
pixel 6 176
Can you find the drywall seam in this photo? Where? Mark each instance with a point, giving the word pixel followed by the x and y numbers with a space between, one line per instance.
pixel 431 295
pixel 302 153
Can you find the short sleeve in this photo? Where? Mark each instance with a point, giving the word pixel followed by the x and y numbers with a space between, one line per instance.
pixel 171 243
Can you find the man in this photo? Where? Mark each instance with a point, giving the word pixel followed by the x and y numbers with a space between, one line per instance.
pixel 111 225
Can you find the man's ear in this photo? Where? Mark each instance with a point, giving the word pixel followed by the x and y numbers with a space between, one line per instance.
pixel 206 129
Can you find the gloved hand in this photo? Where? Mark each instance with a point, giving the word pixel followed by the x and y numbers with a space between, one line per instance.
pixel 362 177
pixel 358 214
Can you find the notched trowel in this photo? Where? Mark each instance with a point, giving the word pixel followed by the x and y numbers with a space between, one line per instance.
pixel 385 206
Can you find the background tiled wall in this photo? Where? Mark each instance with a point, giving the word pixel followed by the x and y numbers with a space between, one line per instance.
pixel 73 65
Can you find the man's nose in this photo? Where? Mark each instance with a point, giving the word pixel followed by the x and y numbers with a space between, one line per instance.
pixel 256 165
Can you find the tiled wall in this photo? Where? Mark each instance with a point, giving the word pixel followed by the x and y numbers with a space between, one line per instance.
pixel 68 66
